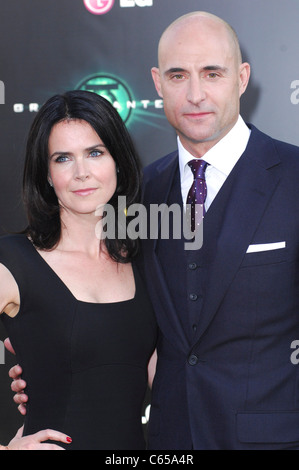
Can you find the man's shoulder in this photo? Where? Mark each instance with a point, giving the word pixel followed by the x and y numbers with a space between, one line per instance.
pixel 159 165
pixel 281 146
pixel 268 152
pixel 286 148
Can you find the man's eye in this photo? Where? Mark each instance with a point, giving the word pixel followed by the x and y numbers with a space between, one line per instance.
pixel 213 75
pixel 178 76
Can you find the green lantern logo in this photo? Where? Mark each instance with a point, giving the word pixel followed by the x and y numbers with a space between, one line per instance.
pixel 111 88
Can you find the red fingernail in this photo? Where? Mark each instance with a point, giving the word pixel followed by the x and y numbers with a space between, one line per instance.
pixel 69 439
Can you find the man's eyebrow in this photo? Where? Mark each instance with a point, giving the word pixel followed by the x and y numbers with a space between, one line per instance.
pixel 214 68
pixel 207 68
pixel 174 70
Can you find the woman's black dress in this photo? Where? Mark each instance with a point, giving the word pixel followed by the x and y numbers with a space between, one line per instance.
pixel 85 364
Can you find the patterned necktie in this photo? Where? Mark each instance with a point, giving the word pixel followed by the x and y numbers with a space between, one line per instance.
pixel 198 191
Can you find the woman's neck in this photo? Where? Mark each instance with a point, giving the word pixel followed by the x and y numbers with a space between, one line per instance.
pixel 81 233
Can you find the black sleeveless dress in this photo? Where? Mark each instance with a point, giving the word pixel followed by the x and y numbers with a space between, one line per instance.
pixel 85 364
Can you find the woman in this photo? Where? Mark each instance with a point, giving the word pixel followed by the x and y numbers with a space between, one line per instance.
pixel 72 299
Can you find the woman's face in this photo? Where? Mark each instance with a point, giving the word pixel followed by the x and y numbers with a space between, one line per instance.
pixel 81 169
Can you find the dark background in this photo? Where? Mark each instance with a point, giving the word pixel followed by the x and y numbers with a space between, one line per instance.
pixel 50 46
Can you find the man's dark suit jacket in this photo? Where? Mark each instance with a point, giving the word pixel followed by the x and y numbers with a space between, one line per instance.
pixel 229 312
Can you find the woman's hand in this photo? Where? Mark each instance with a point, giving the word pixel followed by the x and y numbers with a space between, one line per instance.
pixel 35 441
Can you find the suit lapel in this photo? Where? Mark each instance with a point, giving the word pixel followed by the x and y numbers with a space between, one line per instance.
pixel 250 187
pixel 157 192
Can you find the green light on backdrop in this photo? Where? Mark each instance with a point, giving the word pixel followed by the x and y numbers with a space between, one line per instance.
pixel 111 88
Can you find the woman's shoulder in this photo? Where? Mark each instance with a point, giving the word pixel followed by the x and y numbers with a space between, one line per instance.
pixel 15 245
pixel 13 240
pixel 16 255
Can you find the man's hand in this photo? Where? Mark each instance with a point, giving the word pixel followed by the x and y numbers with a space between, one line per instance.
pixel 18 385
pixel 9 347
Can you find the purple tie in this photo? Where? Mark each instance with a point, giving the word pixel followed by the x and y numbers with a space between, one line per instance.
pixel 198 191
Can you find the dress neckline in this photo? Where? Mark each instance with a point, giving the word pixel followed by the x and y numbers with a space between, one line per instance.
pixel 62 283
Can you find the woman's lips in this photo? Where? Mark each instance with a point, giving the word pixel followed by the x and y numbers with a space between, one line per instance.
pixel 84 192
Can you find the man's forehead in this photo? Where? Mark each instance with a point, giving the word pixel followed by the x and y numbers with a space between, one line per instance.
pixel 196 25
pixel 189 53
pixel 201 55
pixel 196 36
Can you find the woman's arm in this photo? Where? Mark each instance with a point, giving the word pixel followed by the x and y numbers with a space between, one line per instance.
pixel 10 303
pixel 9 293
pixel 35 441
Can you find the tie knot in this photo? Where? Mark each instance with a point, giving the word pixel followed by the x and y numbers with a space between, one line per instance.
pixel 198 168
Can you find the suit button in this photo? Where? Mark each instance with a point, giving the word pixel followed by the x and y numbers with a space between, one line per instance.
pixel 193 296
pixel 192 266
pixel 193 360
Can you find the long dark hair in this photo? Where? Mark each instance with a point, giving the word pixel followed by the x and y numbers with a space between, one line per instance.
pixel 41 203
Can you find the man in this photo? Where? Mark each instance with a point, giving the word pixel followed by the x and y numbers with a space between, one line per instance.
pixel 227 312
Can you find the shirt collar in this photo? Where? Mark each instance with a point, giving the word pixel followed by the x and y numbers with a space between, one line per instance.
pixel 225 154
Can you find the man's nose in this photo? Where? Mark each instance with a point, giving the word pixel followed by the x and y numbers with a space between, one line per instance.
pixel 196 91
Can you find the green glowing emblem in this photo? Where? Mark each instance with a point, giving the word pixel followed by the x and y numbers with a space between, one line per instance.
pixel 111 88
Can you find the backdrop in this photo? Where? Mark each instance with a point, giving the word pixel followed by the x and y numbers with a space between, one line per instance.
pixel 109 46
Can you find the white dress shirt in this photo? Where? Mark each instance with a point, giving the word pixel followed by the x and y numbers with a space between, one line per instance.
pixel 221 158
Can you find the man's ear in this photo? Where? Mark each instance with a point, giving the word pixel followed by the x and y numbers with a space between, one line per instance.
pixel 244 77
pixel 157 80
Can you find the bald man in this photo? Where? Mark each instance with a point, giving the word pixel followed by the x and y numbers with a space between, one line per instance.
pixel 228 312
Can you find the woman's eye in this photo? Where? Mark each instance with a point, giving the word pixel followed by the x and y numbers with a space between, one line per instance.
pixel 95 153
pixel 61 159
